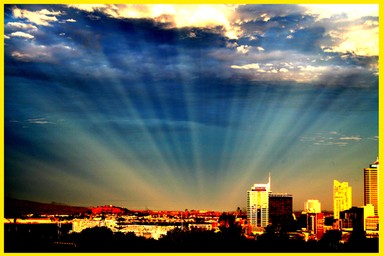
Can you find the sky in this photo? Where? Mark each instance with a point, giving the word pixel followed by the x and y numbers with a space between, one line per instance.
pixel 187 106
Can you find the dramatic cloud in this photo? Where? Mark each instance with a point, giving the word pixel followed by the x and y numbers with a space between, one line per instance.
pixel 357 29
pixel 42 53
pixel 38 121
pixel 342 11
pixel 355 138
pixel 21 34
pixel 332 139
pixel 20 25
pixel 27 56
pixel 43 17
pixel 247 66
pixel 180 15
pixel 359 39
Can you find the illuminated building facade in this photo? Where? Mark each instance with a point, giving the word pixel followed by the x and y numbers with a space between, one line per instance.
pixel 371 189
pixel 342 198
pixel 312 206
pixel 258 206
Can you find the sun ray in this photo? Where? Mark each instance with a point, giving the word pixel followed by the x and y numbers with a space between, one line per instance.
pixel 156 105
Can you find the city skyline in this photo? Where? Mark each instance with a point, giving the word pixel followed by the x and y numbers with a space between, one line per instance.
pixel 167 107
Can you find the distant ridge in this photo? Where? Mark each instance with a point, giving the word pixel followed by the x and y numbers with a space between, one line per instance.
pixel 19 208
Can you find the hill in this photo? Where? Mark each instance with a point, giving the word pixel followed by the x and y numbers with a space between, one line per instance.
pixel 18 208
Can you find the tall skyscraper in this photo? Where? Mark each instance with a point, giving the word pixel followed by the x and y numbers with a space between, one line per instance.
pixel 371 186
pixel 342 198
pixel 280 208
pixel 312 206
pixel 258 206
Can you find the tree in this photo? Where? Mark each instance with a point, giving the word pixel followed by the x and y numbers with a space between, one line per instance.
pixel 230 229
pixel 330 240
pixel 95 239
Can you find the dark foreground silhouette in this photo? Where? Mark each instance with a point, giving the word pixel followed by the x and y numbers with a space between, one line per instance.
pixel 229 239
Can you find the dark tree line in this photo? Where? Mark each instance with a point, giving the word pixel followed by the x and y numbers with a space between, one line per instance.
pixel 230 238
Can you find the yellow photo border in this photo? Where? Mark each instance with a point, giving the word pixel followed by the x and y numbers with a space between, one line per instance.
pixel 381 106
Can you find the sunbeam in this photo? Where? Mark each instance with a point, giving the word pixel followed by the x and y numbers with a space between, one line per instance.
pixel 162 107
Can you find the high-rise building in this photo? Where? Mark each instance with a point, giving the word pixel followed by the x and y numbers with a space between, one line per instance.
pixel 313 218
pixel 312 222
pixel 312 206
pixel 280 208
pixel 258 206
pixel 315 224
pixel 371 178
pixel 342 198
pixel 369 212
pixel 356 217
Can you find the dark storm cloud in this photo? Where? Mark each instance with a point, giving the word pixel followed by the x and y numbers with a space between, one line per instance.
pixel 353 77
pixel 151 51
pixel 142 47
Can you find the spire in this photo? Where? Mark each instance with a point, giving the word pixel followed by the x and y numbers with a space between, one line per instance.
pixel 269 179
